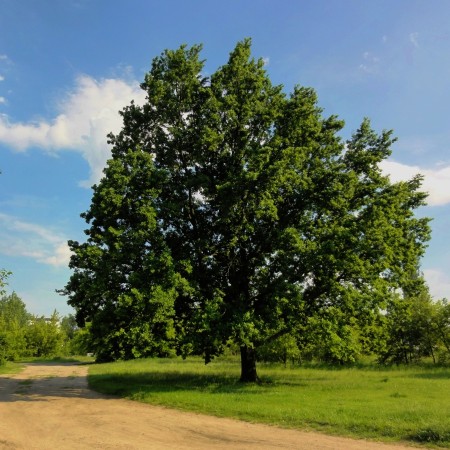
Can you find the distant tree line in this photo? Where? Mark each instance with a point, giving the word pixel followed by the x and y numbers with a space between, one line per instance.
pixel 407 331
pixel 23 334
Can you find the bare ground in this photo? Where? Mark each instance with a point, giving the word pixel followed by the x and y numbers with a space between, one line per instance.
pixel 49 406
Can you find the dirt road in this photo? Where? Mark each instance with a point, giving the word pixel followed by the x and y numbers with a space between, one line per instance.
pixel 49 406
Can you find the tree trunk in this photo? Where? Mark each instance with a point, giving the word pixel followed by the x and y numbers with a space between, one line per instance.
pixel 248 364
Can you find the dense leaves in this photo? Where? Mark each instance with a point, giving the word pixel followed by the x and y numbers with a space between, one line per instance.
pixel 23 334
pixel 13 320
pixel 232 212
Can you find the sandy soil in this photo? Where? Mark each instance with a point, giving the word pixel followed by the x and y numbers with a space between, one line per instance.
pixel 49 406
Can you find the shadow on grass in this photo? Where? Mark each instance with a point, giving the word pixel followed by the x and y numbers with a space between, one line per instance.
pixel 56 360
pixel 431 436
pixel 443 375
pixel 44 389
pixel 153 382
pixel 148 382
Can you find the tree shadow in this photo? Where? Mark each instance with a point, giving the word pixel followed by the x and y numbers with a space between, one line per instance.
pixel 148 382
pixel 45 385
pixel 441 375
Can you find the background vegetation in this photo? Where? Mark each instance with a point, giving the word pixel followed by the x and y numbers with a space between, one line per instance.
pixel 409 331
pixel 23 334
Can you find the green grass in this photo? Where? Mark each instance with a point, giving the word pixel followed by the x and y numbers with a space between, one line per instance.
pixel 58 359
pixel 10 367
pixel 391 404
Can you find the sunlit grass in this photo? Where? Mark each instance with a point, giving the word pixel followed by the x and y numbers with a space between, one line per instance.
pixel 394 404
pixel 10 367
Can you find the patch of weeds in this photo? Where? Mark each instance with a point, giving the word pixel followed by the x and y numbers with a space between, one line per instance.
pixel 25 382
pixel 397 395
pixel 431 435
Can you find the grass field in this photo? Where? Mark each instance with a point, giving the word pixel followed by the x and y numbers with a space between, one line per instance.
pixel 10 367
pixel 14 367
pixel 58 359
pixel 391 404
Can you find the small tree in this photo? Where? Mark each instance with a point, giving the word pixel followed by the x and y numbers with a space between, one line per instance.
pixel 3 276
pixel 13 322
pixel 283 349
pixel 232 211
pixel 411 329
pixel 442 328
pixel 44 336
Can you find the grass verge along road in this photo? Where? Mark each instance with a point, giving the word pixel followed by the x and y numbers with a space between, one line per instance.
pixel 390 404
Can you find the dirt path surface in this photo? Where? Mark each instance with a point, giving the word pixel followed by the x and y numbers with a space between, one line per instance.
pixel 49 406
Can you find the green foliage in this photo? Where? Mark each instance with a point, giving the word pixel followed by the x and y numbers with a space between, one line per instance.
pixel 284 349
pixel 13 321
pixel 231 211
pixel 44 337
pixel 3 277
pixel 69 326
pixel 415 327
pixel 9 367
pixel 23 335
pixel 331 338
pixel 441 328
pixel 80 343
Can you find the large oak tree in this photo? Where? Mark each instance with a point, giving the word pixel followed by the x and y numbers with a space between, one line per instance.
pixel 232 212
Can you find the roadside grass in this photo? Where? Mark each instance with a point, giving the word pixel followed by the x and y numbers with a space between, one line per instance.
pixel 10 367
pixel 58 359
pixel 389 404
pixel 17 366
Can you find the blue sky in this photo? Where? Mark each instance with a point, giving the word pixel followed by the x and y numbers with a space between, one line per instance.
pixel 68 66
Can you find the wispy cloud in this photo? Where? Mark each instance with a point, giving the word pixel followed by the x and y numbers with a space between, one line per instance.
pixel 2 100
pixel 5 61
pixel 2 78
pixel 370 64
pixel 25 239
pixel 85 116
pixel 436 181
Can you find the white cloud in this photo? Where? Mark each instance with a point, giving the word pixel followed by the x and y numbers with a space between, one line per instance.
pixel 44 245
pixel 2 78
pixel 86 116
pixel 436 181
pixel 371 63
pixel 2 100
pixel 60 256
pixel 438 283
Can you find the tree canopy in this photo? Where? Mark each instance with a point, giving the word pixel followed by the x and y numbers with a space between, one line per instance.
pixel 231 211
